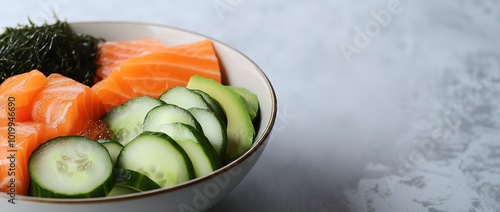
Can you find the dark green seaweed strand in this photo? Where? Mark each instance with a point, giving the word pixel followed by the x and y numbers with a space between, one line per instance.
pixel 50 48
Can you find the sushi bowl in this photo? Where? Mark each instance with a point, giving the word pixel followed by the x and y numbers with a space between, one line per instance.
pixel 199 194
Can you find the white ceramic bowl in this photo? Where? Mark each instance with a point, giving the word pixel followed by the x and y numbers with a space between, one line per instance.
pixel 198 194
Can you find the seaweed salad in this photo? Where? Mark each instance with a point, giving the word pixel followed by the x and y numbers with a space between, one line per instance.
pixel 50 48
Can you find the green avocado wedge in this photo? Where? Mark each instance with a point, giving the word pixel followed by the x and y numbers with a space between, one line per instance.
pixel 240 130
pixel 250 98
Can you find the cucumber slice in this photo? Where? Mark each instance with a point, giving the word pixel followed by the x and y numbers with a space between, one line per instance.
pixel 240 129
pixel 185 98
pixel 201 153
pixel 134 180
pixel 213 128
pixel 167 114
pixel 71 167
pixel 121 190
pixel 125 121
pixel 157 156
pixel 113 148
pixel 213 104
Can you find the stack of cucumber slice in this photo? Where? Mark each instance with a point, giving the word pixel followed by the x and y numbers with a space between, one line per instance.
pixel 187 132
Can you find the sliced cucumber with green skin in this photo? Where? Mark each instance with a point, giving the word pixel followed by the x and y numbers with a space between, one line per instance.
pixel 114 148
pixel 200 151
pixel 213 128
pixel 240 129
pixel 213 104
pixel 157 156
pixel 125 121
pixel 134 180
pixel 71 167
pixel 121 190
pixel 167 114
pixel 185 98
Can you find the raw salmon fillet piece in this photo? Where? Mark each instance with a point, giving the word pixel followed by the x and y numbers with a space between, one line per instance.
pixel 66 105
pixel 114 53
pixel 20 90
pixel 153 72
pixel 27 137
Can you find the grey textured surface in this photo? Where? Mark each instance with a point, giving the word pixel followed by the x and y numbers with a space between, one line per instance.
pixel 384 105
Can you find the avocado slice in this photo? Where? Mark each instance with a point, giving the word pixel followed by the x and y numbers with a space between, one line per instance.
pixel 240 130
pixel 250 98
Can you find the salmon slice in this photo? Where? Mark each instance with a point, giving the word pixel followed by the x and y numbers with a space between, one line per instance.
pixel 151 74
pixel 14 155
pixel 17 93
pixel 114 53
pixel 66 105
pixel 112 92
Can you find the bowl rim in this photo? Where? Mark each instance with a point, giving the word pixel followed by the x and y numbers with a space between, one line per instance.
pixel 258 142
